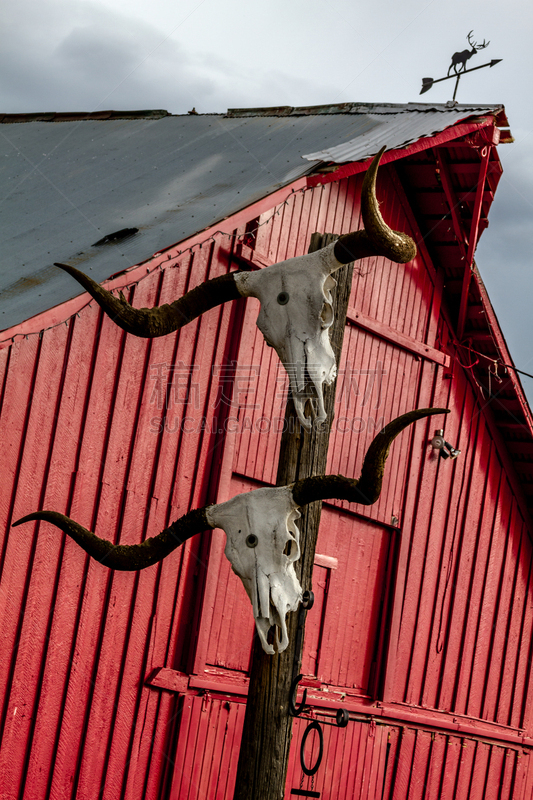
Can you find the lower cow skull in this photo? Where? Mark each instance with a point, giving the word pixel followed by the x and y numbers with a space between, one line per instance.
pixel 263 542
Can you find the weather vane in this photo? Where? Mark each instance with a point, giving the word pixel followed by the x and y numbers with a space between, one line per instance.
pixel 459 60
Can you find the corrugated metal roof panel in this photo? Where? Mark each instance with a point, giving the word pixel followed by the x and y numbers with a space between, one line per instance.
pixel 394 130
pixel 68 184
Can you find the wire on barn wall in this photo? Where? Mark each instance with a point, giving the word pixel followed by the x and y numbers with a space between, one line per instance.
pixel 497 362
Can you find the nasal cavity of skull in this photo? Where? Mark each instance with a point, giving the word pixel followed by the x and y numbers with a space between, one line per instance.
pixel 287 550
pixel 326 315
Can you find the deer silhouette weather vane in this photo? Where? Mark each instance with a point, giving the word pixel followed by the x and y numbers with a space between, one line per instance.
pixel 459 60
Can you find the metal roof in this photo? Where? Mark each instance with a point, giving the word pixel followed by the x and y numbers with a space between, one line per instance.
pixel 71 180
pixel 393 129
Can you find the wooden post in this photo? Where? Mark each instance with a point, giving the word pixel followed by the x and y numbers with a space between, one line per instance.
pixel 267 733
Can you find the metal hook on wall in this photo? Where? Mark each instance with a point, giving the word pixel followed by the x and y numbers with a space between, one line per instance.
pixel 296 710
pixel 342 716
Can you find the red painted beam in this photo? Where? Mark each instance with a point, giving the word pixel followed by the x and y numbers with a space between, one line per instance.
pixel 397 338
pixel 472 241
pixel 336 697
pixel 452 202
pixel 497 334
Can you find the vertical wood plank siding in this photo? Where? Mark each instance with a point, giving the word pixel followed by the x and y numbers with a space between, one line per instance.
pixel 84 401
pixel 423 600
pixel 361 761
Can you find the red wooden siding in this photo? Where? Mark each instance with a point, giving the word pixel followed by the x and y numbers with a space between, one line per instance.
pixel 83 401
pixel 205 765
pixel 463 639
pixel 365 761
pixel 423 619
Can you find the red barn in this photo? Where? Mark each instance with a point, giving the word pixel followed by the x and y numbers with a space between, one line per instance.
pixel 132 685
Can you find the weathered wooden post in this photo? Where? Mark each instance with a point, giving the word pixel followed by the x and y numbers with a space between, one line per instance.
pixel 267 732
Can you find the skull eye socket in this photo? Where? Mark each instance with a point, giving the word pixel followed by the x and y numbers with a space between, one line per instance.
pixel 251 540
pixel 288 547
pixel 283 298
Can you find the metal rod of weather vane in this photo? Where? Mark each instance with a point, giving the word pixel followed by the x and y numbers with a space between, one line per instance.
pixel 427 83
pixel 267 732
pixel 456 86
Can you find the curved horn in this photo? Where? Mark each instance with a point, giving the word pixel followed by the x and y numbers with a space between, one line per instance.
pixel 134 557
pixel 367 489
pixel 377 239
pixel 127 557
pixel 151 322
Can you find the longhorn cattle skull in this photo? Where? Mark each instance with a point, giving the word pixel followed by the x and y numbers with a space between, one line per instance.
pixel 296 313
pixel 295 295
pixel 263 541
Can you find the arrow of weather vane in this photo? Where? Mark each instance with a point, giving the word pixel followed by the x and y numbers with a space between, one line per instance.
pixel 460 58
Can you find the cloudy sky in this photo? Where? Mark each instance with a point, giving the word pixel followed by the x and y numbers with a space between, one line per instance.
pixel 80 55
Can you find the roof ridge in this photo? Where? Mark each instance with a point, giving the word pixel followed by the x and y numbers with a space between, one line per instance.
pixel 265 111
pixel 75 116
pixel 359 108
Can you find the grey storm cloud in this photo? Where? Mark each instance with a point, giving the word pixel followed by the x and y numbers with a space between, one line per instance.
pixel 510 222
pixel 107 60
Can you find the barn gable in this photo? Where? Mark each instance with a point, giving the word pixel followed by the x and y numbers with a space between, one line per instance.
pixel 133 685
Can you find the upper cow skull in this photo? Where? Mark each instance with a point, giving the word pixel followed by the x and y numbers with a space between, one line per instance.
pixel 263 541
pixel 296 313
pixel 295 295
